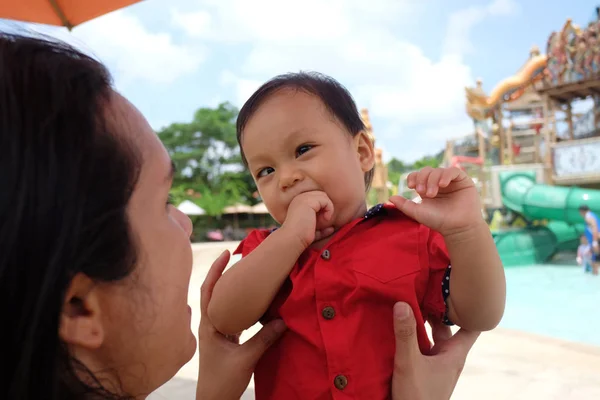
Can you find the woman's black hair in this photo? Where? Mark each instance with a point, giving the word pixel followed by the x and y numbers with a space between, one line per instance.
pixel 336 98
pixel 65 180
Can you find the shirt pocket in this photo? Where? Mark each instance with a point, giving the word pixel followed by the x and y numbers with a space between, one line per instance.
pixel 388 267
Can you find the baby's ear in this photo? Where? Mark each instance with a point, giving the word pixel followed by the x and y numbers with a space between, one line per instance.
pixel 365 151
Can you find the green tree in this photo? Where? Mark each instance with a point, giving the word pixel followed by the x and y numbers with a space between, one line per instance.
pixel 396 166
pixel 206 154
pixel 426 161
pixel 395 170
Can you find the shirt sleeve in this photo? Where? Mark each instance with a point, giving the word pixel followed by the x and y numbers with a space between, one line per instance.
pixel 251 241
pixel 438 286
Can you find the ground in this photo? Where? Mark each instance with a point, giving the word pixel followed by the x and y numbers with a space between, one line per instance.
pixel 502 365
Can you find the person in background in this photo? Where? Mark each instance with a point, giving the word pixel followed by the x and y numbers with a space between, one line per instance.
pixel 584 254
pixel 592 225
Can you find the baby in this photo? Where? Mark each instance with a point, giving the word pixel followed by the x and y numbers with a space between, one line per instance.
pixel 334 269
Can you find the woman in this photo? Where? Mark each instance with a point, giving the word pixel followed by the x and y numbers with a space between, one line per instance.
pixel 95 263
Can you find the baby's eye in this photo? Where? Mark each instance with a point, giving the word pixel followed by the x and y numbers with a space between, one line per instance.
pixel 264 172
pixel 303 149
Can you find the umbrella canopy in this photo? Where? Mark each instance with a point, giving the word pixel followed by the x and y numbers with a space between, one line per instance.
pixel 260 208
pixel 67 13
pixel 237 209
pixel 189 208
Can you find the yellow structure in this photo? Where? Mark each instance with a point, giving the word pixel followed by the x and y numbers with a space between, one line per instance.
pixel 513 113
pixel 380 177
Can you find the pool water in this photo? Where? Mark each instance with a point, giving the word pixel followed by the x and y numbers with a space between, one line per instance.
pixel 557 300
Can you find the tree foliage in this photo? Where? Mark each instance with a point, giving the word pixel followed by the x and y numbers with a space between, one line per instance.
pixel 206 154
pixel 397 167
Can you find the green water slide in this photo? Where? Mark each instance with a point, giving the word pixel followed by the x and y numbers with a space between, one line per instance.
pixel 557 206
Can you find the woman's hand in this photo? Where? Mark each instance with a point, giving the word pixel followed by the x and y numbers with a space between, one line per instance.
pixel 226 366
pixel 432 377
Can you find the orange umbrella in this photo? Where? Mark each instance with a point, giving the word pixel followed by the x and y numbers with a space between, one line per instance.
pixel 67 13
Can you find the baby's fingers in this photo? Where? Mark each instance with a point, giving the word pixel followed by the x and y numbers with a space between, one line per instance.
pixel 325 207
pixel 448 175
pixel 433 182
pixel 411 180
pixel 418 180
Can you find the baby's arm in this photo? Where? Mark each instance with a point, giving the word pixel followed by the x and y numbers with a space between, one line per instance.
pixel 243 294
pixel 245 291
pixel 477 283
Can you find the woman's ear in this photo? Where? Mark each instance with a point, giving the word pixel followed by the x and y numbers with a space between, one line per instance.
pixel 80 320
pixel 365 151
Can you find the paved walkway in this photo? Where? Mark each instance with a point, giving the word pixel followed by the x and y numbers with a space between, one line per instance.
pixel 502 365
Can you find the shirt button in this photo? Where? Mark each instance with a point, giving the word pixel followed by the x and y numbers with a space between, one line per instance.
pixel 340 382
pixel 326 255
pixel 328 312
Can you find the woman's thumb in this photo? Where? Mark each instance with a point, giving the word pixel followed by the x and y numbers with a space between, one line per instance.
pixel 405 330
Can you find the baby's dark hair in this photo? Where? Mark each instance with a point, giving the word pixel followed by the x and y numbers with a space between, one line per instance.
pixel 336 98
pixel 584 208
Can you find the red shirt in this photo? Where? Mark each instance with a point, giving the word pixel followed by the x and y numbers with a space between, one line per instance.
pixel 337 304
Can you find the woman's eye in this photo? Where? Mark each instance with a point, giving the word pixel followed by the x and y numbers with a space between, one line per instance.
pixel 265 171
pixel 303 149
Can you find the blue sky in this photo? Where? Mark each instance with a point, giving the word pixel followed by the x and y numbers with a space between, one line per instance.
pixel 408 61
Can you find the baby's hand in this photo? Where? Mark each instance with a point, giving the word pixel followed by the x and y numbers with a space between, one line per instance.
pixel 450 202
pixel 309 216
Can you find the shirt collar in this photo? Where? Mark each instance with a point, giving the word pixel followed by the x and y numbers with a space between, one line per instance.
pixel 374 211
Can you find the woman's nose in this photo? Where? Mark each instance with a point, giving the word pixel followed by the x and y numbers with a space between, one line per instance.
pixel 185 222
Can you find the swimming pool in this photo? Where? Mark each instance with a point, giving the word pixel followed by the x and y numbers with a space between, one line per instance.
pixel 557 300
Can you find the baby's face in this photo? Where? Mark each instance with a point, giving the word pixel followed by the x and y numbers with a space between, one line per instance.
pixel 294 145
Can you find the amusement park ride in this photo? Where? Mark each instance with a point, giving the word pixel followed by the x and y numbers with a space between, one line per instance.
pixel 534 159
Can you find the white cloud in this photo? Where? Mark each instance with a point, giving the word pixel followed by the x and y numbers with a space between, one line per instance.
pixel 136 53
pixel 288 22
pixel 503 7
pixel 461 23
pixel 197 23
pixel 416 102
pixel 132 51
